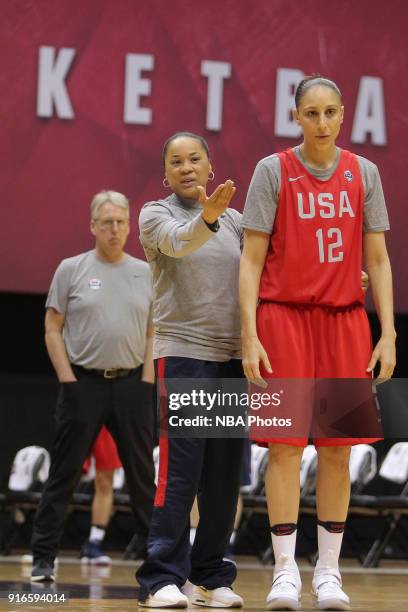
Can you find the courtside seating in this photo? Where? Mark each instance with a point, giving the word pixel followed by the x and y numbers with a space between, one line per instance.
pixel 389 508
pixel 28 474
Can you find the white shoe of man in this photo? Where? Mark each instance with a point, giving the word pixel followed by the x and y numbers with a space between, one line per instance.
pixel 223 597
pixel 286 585
pixel 326 590
pixel 168 596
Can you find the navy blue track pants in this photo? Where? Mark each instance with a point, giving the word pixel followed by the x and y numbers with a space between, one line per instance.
pixel 208 467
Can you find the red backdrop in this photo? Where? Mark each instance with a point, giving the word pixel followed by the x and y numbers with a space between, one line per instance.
pixel 51 167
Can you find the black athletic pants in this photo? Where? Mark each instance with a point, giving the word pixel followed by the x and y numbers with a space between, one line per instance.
pixel 124 405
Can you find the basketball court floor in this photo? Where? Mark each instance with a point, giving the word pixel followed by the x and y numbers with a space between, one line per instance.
pixel 95 589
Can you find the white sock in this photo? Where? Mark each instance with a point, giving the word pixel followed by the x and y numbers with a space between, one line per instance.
pixel 192 534
pixel 96 534
pixel 233 537
pixel 329 545
pixel 285 543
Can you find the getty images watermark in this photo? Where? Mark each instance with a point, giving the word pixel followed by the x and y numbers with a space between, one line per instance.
pixel 214 401
pixel 285 408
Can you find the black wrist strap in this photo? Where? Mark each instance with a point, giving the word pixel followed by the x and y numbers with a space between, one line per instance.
pixel 214 227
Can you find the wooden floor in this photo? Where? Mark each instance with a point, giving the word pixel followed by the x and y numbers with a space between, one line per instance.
pixel 114 588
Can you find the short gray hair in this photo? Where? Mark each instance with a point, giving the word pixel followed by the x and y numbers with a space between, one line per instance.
pixel 108 197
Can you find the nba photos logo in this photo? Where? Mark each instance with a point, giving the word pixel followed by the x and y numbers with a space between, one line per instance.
pixel 348 176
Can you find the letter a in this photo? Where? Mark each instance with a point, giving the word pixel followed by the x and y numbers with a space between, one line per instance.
pixel 345 205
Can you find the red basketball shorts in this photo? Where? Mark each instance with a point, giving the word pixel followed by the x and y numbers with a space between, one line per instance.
pixel 105 453
pixel 315 342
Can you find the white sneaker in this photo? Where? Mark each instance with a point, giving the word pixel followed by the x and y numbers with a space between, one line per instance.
pixel 327 592
pixel 168 596
pixel 286 586
pixel 223 597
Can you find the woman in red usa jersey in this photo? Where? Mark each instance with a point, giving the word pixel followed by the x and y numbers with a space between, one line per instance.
pixel 312 212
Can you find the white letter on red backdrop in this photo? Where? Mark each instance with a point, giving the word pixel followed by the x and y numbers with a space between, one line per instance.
pixel 51 89
pixel 135 87
pixel 370 115
pixel 216 72
pixel 287 79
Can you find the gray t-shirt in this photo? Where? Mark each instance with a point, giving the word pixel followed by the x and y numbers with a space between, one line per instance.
pixel 107 308
pixel 195 279
pixel 263 194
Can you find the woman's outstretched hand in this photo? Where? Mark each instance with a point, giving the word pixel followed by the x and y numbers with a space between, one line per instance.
pixel 217 202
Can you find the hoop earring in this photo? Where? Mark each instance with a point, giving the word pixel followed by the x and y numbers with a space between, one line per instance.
pixel 166 183
pixel 211 176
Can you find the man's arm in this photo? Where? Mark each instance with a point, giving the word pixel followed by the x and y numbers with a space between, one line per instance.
pixel 379 271
pixel 54 325
pixel 148 367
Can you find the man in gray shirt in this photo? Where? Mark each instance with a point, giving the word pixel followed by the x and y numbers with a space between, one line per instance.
pixel 99 336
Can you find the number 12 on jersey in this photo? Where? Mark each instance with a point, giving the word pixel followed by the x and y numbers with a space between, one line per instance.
pixel 327 249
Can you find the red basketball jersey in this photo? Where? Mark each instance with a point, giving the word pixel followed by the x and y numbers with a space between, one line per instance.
pixel 315 251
